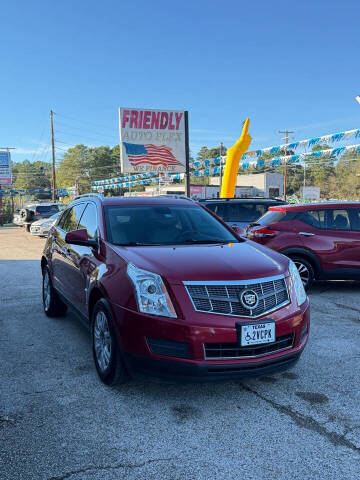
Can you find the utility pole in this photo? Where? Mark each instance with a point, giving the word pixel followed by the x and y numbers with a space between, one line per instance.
pixel 53 181
pixel 286 139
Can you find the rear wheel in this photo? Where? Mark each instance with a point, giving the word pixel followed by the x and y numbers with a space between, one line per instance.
pixel 306 271
pixel 53 305
pixel 107 356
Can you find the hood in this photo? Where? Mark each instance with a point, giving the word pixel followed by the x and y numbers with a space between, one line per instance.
pixel 237 261
pixel 40 222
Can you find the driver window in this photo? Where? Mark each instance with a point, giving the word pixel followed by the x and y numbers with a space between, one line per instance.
pixel 89 220
pixel 72 218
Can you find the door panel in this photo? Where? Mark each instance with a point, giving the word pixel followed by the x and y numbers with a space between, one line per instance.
pixel 62 263
pixel 84 260
pixel 328 234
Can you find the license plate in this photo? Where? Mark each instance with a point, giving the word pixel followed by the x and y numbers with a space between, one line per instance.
pixel 257 333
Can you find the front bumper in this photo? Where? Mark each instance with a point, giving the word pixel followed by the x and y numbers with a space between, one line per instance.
pixel 190 364
pixel 200 372
pixel 39 232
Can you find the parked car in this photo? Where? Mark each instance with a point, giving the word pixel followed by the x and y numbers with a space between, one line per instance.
pixel 322 239
pixel 240 212
pixel 169 290
pixel 41 227
pixel 32 213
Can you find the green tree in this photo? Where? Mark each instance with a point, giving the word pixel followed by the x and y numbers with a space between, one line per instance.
pixel 87 164
pixel 27 175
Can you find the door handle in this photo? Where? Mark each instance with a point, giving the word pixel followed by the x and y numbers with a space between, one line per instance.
pixel 307 234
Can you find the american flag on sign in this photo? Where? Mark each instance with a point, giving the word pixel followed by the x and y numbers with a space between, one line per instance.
pixel 150 154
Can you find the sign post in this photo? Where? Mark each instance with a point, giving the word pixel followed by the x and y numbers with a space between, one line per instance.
pixel 154 141
pixel 5 174
pixel 187 155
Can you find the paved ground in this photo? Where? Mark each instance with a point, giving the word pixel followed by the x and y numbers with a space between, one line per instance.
pixel 57 421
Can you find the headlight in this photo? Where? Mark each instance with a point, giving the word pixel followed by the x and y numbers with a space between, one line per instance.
pixel 297 283
pixel 151 294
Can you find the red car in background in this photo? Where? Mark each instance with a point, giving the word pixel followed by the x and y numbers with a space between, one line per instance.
pixel 323 239
pixel 170 290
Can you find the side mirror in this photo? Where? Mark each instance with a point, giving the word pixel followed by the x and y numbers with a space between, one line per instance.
pixel 80 237
pixel 238 230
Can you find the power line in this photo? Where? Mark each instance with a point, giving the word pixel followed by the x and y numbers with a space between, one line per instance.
pixel 81 136
pixel 86 130
pixel 83 121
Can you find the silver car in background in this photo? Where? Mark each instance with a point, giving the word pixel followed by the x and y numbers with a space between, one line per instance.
pixel 41 227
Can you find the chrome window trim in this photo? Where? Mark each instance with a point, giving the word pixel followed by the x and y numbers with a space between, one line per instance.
pixel 222 283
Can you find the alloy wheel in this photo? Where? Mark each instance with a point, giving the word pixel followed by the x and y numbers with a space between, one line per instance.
pixel 102 341
pixel 303 272
pixel 46 291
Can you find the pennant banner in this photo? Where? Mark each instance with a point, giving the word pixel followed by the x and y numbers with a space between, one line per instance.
pixel 334 153
pixel 308 143
pixel 62 192
pixel 139 177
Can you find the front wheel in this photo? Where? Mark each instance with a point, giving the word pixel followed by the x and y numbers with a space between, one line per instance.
pixel 306 271
pixel 107 356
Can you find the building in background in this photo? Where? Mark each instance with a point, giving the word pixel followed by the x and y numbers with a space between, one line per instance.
pixel 269 185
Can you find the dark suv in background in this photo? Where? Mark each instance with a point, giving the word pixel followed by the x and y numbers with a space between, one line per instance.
pixel 240 212
pixel 32 213
pixel 323 239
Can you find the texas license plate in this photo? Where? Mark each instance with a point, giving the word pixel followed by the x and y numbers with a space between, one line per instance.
pixel 257 333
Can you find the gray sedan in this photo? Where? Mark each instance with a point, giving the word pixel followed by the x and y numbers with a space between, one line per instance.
pixel 41 227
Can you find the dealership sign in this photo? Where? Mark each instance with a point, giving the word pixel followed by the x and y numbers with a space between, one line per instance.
pixel 152 140
pixel 5 168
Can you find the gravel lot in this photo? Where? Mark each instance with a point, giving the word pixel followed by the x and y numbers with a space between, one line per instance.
pixel 57 421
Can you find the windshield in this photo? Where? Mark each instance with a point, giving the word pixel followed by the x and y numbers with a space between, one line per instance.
pixel 163 225
pixel 270 217
pixel 47 209
pixel 237 211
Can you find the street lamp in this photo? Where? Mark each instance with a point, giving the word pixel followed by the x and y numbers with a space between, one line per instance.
pixel 357 98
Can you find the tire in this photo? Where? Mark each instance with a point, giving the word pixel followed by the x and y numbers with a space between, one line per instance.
pixel 306 271
pixel 26 214
pixel 107 356
pixel 28 225
pixel 53 305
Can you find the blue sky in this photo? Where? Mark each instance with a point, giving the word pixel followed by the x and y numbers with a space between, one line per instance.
pixel 284 64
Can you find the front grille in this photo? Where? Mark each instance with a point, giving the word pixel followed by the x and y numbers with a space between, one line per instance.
pixel 224 297
pixel 216 351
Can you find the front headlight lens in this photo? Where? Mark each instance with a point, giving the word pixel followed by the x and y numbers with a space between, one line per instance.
pixel 151 294
pixel 297 283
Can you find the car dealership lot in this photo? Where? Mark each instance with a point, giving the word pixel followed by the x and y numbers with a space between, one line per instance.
pixel 57 421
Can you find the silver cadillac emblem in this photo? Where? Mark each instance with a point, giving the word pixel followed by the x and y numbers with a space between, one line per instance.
pixel 249 299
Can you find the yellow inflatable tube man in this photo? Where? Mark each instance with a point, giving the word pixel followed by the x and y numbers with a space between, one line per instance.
pixel 233 157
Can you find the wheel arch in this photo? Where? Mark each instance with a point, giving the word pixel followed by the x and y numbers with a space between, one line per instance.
pixel 96 294
pixel 307 255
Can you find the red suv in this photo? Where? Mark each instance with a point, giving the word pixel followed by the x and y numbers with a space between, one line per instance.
pixel 323 239
pixel 170 290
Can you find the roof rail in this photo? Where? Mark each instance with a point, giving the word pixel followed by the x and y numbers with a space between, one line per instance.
pixel 182 197
pixel 98 195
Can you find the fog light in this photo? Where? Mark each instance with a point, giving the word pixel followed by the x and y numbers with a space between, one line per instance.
pixel 169 348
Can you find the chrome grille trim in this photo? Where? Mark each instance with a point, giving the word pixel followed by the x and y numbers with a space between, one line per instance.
pixel 222 297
